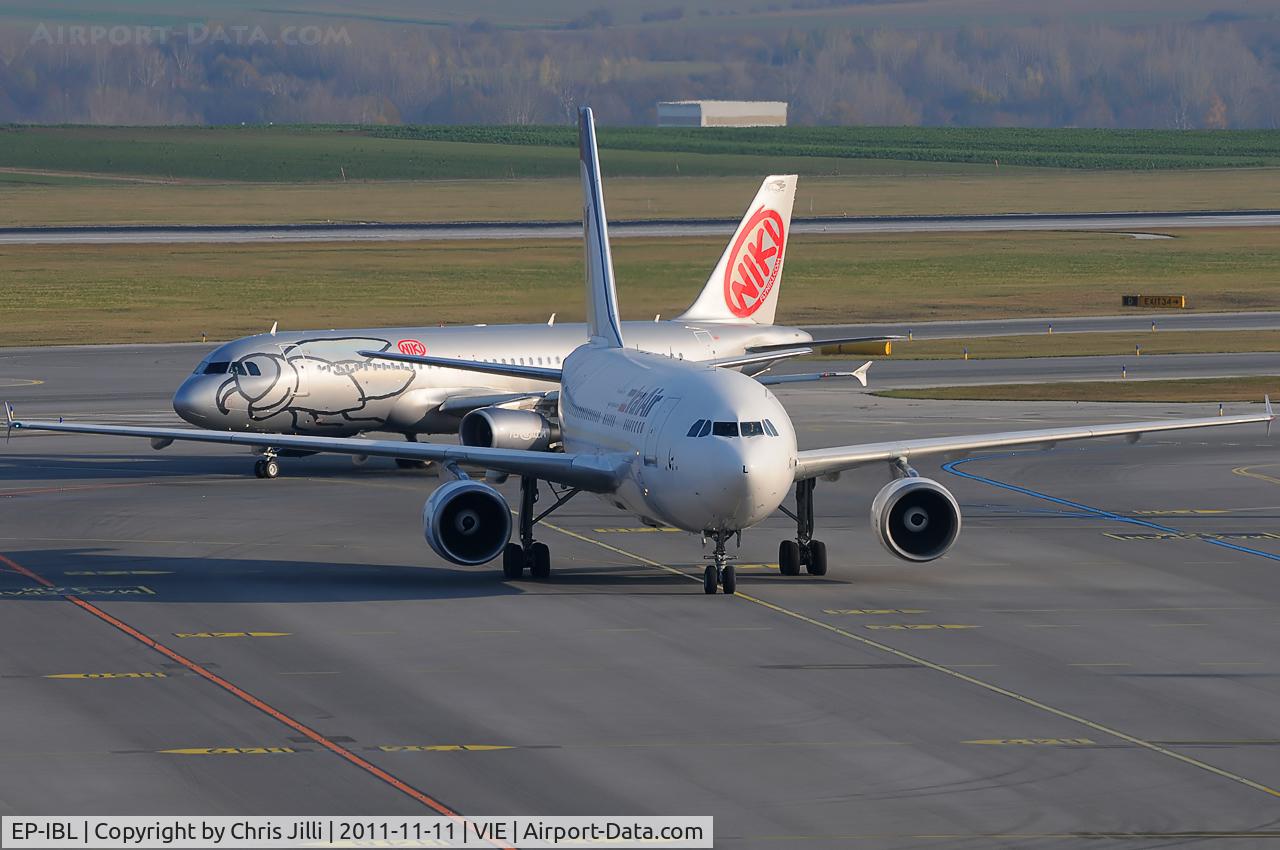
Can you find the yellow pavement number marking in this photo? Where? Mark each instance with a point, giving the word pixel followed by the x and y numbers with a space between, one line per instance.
pixel 107 676
pixel 1034 742
pixel 630 530
pixel 229 634
pixel 229 751
pixel 1182 512
pixel 443 748
pixel 22 592
pixel 1194 535
pixel 917 626
pixel 872 611
pixel 118 573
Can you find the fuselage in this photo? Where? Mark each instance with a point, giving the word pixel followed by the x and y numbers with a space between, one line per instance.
pixel 708 449
pixel 314 382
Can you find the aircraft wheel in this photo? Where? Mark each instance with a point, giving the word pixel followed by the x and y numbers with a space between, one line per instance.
pixel 729 579
pixel 817 565
pixel 789 558
pixel 513 561
pixel 271 468
pixel 257 468
pixel 539 561
pixel 709 579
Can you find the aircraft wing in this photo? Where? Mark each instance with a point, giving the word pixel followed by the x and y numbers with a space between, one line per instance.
pixel 823 343
pixel 814 462
pixel 594 473
pixel 464 403
pixel 511 370
pixel 757 358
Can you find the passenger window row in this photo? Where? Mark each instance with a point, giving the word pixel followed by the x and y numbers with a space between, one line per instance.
pixel 703 427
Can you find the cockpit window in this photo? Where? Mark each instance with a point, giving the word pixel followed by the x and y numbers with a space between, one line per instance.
pixel 695 428
pixel 725 429
pixel 752 429
pixel 706 428
pixel 771 429
pixel 217 367
pixel 240 368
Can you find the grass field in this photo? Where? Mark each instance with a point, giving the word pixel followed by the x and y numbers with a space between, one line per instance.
pixel 118 293
pixel 1083 345
pixel 1210 390
pixel 28 199
pixel 317 153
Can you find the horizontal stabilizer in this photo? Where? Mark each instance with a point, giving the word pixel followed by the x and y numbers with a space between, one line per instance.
pixel 859 375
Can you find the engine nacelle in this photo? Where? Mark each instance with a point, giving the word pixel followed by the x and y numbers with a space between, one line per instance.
pixel 916 519
pixel 466 522
pixel 500 428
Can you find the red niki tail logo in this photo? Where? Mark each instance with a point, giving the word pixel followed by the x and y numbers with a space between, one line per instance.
pixel 754 263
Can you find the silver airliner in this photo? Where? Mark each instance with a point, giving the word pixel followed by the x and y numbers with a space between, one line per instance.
pixel 318 382
pixel 686 443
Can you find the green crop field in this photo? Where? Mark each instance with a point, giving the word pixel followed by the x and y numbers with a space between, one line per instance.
pixel 315 153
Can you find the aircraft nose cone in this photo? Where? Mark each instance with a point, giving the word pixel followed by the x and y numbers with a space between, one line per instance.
pixel 192 403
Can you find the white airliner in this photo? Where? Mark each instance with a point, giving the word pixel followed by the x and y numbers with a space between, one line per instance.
pixel 693 445
pixel 319 383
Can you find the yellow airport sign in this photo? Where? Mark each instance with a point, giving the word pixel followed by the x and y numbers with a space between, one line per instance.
pixel 1174 301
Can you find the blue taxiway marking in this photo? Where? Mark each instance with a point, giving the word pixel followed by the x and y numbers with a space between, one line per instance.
pixel 1088 510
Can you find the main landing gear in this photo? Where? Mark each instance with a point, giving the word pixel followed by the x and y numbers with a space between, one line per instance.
pixel 529 553
pixel 267 466
pixel 804 550
pixel 411 463
pixel 720 572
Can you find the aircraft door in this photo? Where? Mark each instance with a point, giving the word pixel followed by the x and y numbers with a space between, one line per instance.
pixel 301 367
pixel 656 453
pixel 707 343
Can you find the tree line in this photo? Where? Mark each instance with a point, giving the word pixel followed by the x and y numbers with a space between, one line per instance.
pixel 1215 73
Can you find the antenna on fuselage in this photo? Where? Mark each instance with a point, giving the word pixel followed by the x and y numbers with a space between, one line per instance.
pixel 603 326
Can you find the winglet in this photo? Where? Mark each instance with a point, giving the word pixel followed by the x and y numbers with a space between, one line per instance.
pixel 603 326
pixel 861 372
pixel 552 320
pixel 10 424
pixel 274 327
pixel 1271 417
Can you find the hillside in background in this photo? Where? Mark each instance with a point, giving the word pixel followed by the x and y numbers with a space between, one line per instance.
pixel 1172 64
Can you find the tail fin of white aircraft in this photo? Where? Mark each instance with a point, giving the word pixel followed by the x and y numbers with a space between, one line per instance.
pixel 745 283
pixel 603 325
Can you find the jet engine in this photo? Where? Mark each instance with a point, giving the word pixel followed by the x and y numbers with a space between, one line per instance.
pixel 916 519
pixel 500 428
pixel 466 522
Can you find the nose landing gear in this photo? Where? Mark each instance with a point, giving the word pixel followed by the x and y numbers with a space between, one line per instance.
pixel 720 572
pixel 804 550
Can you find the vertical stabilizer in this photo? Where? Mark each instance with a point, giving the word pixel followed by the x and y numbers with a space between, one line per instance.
pixel 745 283
pixel 603 326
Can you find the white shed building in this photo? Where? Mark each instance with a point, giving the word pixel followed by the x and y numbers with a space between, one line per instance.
pixel 722 113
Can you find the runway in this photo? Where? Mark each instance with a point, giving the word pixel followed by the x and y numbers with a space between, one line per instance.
pixel 504 230
pixel 1095 660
